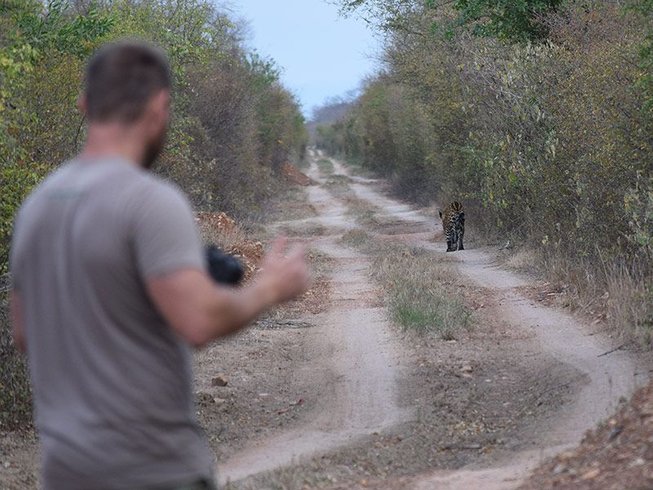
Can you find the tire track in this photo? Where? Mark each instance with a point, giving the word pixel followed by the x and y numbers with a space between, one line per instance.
pixel 355 361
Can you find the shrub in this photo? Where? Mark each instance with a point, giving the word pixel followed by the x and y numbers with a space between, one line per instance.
pixel 233 122
pixel 15 392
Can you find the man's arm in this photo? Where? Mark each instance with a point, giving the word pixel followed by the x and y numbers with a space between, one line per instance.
pixel 17 320
pixel 201 311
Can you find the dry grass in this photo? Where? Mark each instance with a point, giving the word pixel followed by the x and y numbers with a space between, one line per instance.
pixel 365 213
pixel 521 260
pixel 308 475
pixel 629 305
pixel 356 168
pixel 290 203
pixel 225 239
pixel 613 293
pixel 306 230
pixel 357 238
pixel 221 230
pixel 15 392
pixel 316 299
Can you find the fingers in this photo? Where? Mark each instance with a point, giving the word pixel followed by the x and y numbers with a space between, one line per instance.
pixel 296 251
pixel 285 270
pixel 278 246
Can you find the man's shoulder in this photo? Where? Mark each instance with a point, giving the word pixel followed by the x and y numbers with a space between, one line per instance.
pixel 124 184
pixel 149 187
pixel 154 199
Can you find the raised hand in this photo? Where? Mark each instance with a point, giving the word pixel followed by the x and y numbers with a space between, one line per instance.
pixel 284 275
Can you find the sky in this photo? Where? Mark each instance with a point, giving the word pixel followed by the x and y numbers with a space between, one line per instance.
pixel 321 54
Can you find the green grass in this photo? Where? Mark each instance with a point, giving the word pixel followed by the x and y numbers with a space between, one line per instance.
pixel 418 288
pixel 357 238
pixel 356 167
pixel 325 165
pixel 338 186
pixel 303 164
pixel 428 311
pixel 419 285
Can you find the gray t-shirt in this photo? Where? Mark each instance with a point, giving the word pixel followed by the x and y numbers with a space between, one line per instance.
pixel 112 382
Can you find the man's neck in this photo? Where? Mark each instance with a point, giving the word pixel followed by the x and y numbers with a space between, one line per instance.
pixel 113 140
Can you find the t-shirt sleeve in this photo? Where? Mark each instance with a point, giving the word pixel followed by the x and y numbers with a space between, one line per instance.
pixel 165 236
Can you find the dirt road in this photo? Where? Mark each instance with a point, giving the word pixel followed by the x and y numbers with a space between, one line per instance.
pixel 353 360
pixel 330 393
pixel 358 360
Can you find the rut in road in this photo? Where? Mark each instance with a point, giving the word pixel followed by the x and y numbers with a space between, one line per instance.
pixel 356 356
pixel 354 362
pixel 559 334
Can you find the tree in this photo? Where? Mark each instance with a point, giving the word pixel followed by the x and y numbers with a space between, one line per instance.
pixel 511 20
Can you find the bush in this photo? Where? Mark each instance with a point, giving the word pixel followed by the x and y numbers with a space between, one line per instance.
pixel 15 392
pixel 233 123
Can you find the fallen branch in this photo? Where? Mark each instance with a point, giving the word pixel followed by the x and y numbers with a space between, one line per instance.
pixel 612 350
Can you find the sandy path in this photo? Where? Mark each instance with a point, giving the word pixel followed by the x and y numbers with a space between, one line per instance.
pixel 355 357
pixel 560 335
pixel 354 362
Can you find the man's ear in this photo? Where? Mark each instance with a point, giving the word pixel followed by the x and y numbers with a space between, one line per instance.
pixel 157 112
pixel 81 103
pixel 160 104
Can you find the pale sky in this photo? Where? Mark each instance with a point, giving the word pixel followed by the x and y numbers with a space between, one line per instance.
pixel 320 53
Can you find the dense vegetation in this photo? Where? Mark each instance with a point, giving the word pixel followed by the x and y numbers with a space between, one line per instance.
pixel 233 125
pixel 538 114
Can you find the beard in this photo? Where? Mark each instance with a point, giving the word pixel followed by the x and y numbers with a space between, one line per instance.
pixel 153 150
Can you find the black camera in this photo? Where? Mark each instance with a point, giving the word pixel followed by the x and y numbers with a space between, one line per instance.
pixel 223 268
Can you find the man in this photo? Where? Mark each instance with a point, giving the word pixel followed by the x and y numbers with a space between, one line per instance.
pixel 110 291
